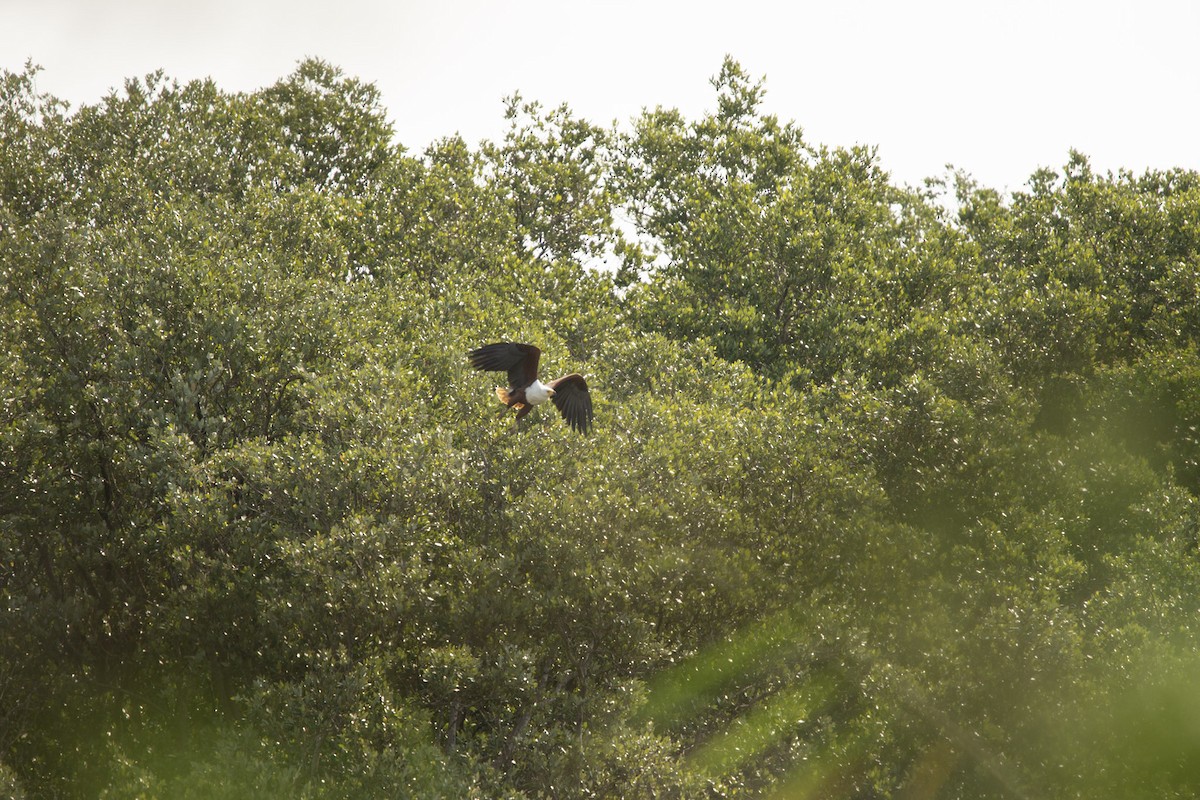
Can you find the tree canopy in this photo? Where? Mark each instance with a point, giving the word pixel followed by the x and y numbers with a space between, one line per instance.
pixel 891 492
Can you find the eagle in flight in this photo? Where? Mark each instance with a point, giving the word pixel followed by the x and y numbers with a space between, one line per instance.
pixel 569 393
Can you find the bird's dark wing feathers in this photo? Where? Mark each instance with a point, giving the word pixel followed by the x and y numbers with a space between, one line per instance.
pixel 573 400
pixel 520 361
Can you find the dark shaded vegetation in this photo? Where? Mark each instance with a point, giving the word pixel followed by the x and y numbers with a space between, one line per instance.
pixel 891 492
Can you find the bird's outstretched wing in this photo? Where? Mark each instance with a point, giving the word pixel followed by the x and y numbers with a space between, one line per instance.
pixel 573 401
pixel 520 361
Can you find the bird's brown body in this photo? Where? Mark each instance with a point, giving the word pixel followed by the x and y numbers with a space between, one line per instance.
pixel 514 398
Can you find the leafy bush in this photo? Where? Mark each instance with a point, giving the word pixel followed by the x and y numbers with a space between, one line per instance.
pixel 892 491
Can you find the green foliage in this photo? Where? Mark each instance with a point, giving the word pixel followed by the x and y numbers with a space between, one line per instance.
pixel 553 169
pixel 892 492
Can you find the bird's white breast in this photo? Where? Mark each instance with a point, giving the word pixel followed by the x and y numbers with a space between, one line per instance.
pixel 537 392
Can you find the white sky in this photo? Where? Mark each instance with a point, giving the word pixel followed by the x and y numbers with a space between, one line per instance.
pixel 998 89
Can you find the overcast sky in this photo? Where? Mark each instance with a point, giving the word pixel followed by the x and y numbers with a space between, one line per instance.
pixel 998 89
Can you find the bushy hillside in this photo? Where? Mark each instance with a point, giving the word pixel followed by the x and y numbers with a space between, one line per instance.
pixel 891 491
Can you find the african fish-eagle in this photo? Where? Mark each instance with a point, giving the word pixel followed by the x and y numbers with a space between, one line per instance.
pixel 569 393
